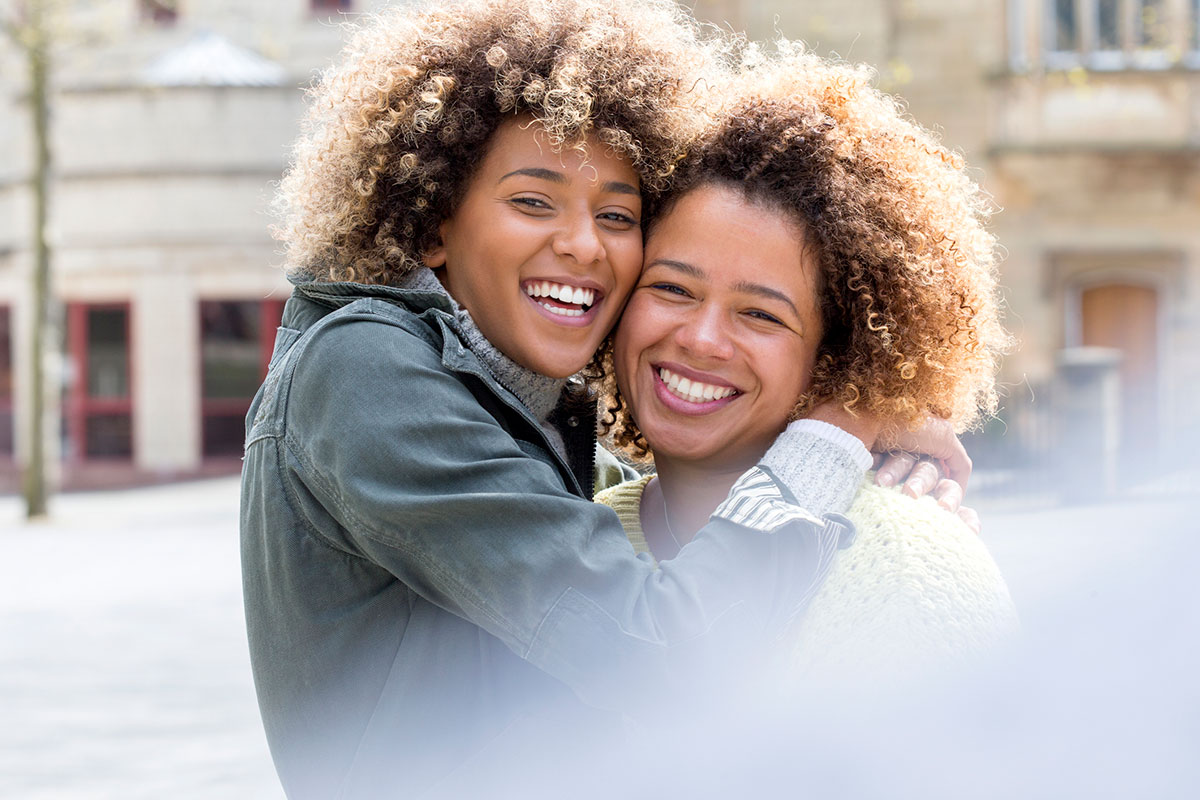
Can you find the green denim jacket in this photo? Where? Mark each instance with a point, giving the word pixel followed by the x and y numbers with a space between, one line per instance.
pixel 424 575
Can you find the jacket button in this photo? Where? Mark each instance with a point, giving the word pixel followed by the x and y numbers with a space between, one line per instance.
pixel 572 422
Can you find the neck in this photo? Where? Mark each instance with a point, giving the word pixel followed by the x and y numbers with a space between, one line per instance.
pixel 690 492
pixel 538 392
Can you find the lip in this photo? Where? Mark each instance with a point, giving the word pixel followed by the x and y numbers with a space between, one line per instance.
pixel 687 407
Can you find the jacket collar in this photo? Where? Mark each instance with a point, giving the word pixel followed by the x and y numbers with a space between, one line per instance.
pixel 343 293
pixel 579 433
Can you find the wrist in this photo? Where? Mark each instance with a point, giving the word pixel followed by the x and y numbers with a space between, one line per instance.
pixel 851 444
pixel 821 474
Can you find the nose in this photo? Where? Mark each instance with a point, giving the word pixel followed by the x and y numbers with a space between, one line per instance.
pixel 579 239
pixel 705 334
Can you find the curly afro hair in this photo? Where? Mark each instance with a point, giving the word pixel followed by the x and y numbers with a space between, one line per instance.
pixel 910 304
pixel 393 133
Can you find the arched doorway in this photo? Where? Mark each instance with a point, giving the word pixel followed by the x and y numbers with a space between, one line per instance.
pixel 1125 316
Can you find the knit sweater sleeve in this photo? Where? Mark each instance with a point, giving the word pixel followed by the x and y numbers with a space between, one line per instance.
pixel 626 500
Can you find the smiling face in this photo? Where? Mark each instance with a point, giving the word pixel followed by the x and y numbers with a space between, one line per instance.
pixel 544 248
pixel 720 336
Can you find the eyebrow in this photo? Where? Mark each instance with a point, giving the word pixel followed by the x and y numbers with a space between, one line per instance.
pixel 766 291
pixel 746 287
pixel 615 187
pixel 690 270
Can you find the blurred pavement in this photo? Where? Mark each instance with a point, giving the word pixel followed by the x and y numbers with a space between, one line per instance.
pixel 124 670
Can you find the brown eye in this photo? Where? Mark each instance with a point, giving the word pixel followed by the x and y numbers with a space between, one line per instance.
pixel 533 203
pixel 670 288
pixel 765 317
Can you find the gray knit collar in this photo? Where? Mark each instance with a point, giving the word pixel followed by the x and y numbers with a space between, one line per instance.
pixel 538 392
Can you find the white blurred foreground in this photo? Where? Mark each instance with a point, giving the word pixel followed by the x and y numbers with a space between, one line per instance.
pixel 124 671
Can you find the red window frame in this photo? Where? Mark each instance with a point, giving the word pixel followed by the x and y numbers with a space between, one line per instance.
pixel 330 6
pixel 6 392
pixel 270 315
pixel 79 405
pixel 158 12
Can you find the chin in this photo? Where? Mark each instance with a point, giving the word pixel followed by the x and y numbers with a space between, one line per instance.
pixel 557 369
pixel 687 448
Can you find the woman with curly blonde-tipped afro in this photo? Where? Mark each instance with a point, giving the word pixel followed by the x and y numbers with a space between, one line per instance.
pixel 394 132
pixel 908 298
pixel 821 259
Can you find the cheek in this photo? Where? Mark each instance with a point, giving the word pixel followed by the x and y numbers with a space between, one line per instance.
pixel 626 260
pixel 792 374
pixel 634 333
pixel 624 350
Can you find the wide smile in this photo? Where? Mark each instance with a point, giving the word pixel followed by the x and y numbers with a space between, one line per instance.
pixel 563 303
pixel 692 393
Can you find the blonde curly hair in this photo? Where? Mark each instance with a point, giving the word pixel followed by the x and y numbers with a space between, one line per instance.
pixel 909 300
pixel 393 134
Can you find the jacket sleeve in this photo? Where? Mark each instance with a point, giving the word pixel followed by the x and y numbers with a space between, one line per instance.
pixel 424 482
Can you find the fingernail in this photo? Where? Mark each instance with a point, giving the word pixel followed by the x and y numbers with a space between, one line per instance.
pixel 885 479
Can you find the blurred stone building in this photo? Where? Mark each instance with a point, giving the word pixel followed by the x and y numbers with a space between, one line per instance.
pixel 1082 119
pixel 172 120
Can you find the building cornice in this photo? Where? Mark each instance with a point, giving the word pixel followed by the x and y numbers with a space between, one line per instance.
pixel 1106 149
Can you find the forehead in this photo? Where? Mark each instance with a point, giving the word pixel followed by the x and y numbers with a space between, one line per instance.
pixel 733 240
pixel 522 142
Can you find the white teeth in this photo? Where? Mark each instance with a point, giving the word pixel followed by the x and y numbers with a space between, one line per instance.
pixel 562 312
pixel 693 391
pixel 576 295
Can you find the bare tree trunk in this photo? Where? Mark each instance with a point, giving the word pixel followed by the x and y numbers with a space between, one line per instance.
pixel 34 479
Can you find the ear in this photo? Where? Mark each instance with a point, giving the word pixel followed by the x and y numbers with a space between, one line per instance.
pixel 435 256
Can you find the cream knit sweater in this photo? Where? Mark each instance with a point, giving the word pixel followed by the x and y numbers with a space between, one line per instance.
pixel 916 590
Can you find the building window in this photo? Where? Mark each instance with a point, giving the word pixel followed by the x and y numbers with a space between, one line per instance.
pixel 159 12
pixel 1062 28
pixel 99 397
pixel 1151 21
pixel 6 384
pixel 1192 59
pixel 1108 26
pixel 1116 34
pixel 236 338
